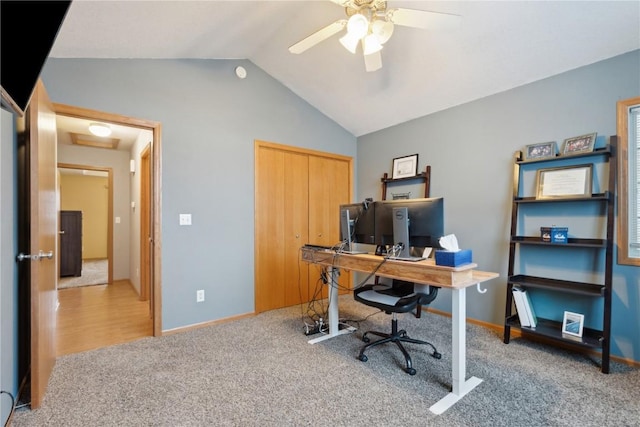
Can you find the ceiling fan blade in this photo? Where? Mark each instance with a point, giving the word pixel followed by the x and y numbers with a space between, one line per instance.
pixel 318 36
pixel 423 19
pixel 373 62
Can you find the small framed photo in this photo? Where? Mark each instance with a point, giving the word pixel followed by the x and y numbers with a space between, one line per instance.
pixel 579 144
pixel 543 150
pixel 572 324
pixel 405 167
pixel 564 182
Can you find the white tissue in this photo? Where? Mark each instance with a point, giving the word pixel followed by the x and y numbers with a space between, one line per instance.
pixel 449 243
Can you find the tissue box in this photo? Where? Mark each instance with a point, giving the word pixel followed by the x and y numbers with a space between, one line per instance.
pixel 453 259
pixel 554 234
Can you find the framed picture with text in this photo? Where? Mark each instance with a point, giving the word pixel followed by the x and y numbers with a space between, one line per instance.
pixel 405 167
pixel 564 182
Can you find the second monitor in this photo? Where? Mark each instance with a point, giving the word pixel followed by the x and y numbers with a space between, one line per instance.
pixel 419 224
pixel 357 225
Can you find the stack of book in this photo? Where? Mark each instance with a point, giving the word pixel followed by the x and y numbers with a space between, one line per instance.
pixel 524 308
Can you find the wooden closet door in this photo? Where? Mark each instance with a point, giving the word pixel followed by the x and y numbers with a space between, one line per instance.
pixel 329 187
pixel 296 228
pixel 281 219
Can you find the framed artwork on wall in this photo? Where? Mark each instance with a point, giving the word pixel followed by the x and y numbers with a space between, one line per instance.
pixel 405 167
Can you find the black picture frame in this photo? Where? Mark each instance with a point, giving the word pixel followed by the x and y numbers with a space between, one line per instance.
pixel 405 167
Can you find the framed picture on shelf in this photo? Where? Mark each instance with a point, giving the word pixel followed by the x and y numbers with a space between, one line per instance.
pixel 543 150
pixel 579 144
pixel 405 167
pixel 564 182
pixel 572 324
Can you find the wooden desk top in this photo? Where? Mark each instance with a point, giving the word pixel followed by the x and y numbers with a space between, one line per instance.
pixel 426 271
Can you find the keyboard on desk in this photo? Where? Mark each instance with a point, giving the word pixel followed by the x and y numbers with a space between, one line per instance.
pixel 409 258
pixel 318 247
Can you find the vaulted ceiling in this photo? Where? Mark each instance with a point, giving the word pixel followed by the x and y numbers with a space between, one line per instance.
pixel 498 46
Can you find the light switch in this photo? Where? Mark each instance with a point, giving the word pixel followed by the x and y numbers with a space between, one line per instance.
pixel 185 219
pixel 117 220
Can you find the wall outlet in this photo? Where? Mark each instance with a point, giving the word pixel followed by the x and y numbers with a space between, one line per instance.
pixel 200 295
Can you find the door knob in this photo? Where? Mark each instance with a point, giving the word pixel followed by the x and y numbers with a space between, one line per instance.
pixel 22 257
pixel 61 232
pixel 38 257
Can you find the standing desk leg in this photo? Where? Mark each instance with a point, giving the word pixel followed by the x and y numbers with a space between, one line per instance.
pixel 334 326
pixel 460 386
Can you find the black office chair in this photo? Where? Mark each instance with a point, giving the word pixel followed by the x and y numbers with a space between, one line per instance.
pixel 373 296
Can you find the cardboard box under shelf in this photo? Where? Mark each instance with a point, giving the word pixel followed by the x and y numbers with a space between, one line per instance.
pixel 453 259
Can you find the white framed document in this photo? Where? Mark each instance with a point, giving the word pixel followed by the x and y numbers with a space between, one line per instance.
pixel 564 182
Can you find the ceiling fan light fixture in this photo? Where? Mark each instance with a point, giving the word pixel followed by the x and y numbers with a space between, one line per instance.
pixel 382 29
pixel 100 129
pixel 371 44
pixel 358 25
pixel 349 42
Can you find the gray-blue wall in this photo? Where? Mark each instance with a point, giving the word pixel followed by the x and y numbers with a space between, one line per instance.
pixel 9 380
pixel 470 149
pixel 210 120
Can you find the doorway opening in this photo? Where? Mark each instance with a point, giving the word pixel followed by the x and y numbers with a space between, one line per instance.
pixel 134 195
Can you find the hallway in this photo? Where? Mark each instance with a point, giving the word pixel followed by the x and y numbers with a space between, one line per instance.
pixel 91 317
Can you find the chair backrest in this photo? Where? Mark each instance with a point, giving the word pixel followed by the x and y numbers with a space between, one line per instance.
pixel 401 297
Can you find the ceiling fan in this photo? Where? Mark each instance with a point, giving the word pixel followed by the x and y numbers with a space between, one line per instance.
pixel 370 23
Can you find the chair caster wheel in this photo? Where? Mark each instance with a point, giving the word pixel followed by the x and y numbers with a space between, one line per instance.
pixel 365 339
pixel 363 358
pixel 437 355
pixel 410 371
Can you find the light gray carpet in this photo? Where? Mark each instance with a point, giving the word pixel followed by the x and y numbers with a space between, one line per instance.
pixel 94 272
pixel 261 371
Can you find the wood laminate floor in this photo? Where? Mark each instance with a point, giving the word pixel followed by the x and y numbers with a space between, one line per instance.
pixel 91 317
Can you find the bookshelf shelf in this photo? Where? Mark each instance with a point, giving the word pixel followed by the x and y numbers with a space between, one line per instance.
pixel 591 338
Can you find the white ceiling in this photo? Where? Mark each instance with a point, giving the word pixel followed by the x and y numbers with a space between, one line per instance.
pixel 499 45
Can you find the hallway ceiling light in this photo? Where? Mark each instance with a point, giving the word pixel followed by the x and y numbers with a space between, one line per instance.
pixel 100 129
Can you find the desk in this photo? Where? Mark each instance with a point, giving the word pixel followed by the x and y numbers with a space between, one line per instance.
pixel 458 279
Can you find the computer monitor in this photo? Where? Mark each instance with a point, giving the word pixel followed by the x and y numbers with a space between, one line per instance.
pixel 357 224
pixel 421 224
